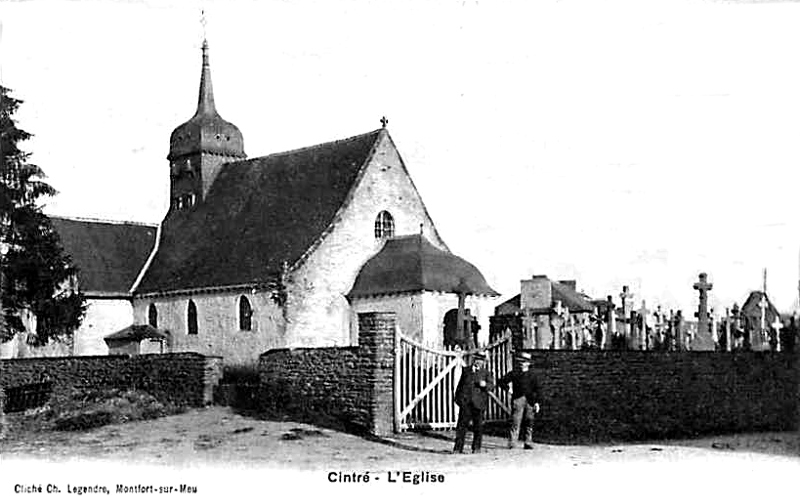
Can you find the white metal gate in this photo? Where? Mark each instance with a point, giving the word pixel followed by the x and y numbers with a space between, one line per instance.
pixel 425 380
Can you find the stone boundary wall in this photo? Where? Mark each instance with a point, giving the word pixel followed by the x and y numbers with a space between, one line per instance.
pixel 180 378
pixel 350 385
pixel 604 395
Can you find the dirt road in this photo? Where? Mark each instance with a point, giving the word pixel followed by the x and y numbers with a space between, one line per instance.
pixel 226 453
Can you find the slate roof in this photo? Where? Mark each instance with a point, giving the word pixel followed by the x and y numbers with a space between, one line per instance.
pixel 570 299
pixel 259 214
pixel 109 255
pixel 751 307
pixel 411 264
pixel 136 332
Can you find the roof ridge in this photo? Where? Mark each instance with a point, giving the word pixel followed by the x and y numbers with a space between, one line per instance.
pixel 100 220
pixel 306 148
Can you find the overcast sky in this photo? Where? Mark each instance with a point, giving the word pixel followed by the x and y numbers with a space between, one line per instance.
pixel 609 142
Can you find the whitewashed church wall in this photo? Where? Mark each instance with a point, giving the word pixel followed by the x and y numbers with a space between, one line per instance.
pixel 318 314
pixel 218 332
pixel 103 317
pixel 408 310
pixel 436 305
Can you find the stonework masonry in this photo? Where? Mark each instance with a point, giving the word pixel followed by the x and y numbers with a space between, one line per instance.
pixel 351 385
pixel 218 332
pixel 318 314
pixel 636 395
pixel 182 378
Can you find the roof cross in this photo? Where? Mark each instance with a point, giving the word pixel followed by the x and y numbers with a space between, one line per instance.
pixel 384 121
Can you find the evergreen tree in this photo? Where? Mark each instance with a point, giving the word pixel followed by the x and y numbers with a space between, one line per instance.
pixel 35 272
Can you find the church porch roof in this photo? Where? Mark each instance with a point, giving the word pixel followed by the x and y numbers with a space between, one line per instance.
pixel 411 264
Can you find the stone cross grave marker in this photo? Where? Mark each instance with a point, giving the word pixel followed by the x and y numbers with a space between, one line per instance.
pixel 714 327
pixel 680 343
pixel 569 327
pixel 557 323
pixel 644 345
pixel 763 303
pixel 777 325
pixel 728 331
pixel 659 326
pixel 612 324
pixel 627 308
pixel 703 340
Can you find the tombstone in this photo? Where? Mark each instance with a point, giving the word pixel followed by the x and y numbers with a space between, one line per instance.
pixel 528 329
pixel 570 340
pixel 678 334
pixel 557 324
pixel 764 303
pixel 627 308
pixel 728 330
pixel 611 329
pixel 643 342
pixel 703 340
pixel 775 338
pixel 714 330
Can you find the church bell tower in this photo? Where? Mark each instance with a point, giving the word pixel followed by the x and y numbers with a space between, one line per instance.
pixel 199 147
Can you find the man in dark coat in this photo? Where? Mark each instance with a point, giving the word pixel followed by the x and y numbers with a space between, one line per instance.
pixel 472 398
pixel 525 399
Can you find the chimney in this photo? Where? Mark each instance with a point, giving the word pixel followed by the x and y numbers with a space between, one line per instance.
pixel 535 293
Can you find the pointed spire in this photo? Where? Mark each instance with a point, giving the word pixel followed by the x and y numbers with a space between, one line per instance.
pixel 205 100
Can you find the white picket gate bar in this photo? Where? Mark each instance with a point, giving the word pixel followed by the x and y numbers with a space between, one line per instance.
pixel 425 380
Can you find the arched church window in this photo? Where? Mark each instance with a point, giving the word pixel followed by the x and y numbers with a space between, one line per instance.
pixel 191 318
pixel 384 225
pixel 245 314
pixel 152 316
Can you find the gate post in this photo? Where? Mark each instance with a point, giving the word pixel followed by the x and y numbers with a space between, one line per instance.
pixel 376 340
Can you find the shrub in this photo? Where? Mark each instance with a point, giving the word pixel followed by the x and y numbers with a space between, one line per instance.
pixel 95 408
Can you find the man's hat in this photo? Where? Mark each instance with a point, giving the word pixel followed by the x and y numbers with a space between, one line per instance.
pixel 522 356
pixel 479 355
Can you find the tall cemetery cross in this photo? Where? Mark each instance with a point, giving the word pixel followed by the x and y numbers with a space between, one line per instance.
pixel 703 287
pixel 643 312
pixel 777 325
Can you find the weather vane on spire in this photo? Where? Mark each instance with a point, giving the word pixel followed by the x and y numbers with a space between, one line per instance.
pixel 203 21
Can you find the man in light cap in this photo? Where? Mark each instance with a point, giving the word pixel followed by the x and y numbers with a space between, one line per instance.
pixel 525 398
pixel 472 397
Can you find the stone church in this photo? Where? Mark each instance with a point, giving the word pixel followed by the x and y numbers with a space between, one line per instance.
pixel 260 253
